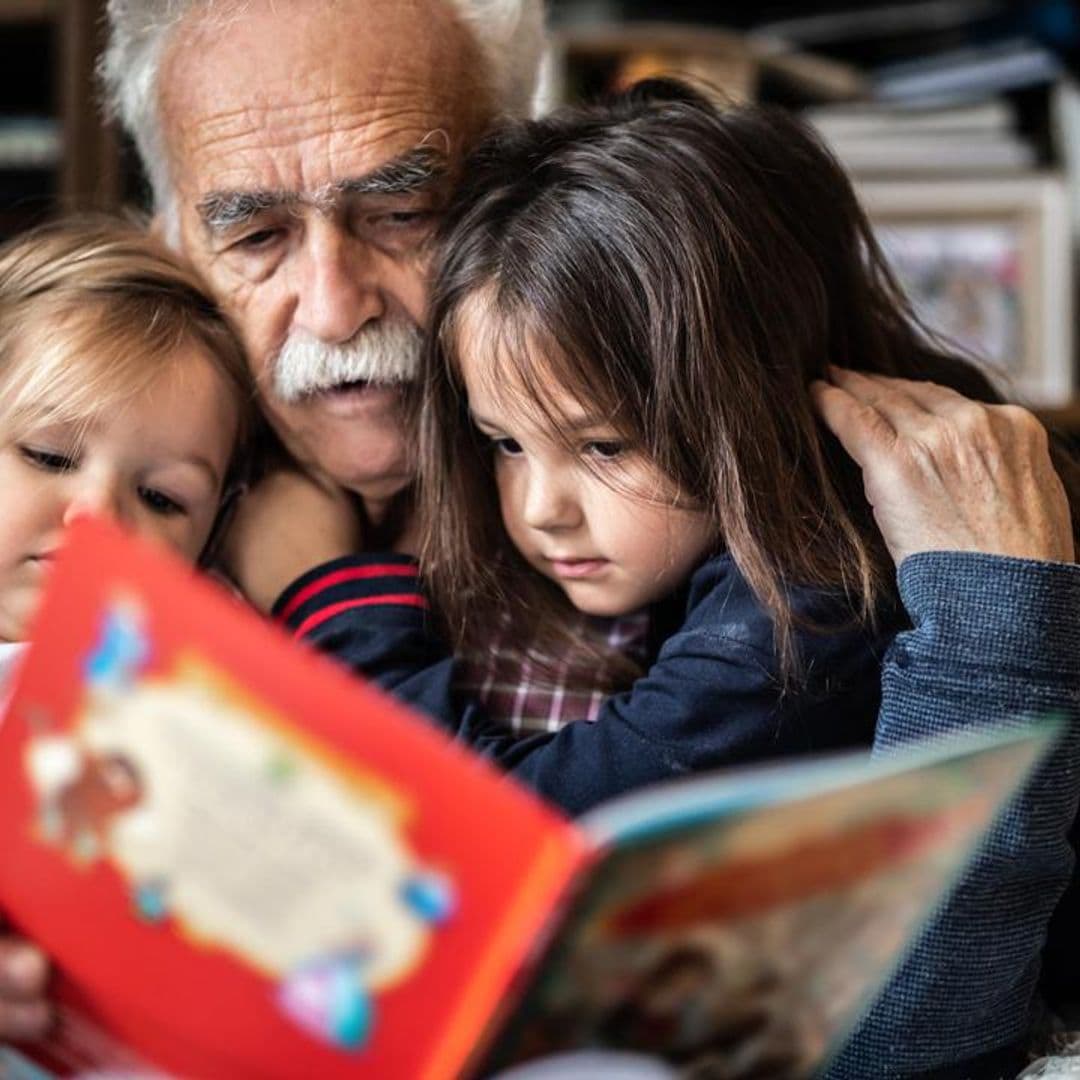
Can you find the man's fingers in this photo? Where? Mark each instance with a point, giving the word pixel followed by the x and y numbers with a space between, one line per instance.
pixel 23 971
pixel 899 401
pixel 936 399
pixel 862 430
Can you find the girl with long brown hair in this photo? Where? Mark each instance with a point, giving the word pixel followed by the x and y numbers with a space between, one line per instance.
pixel 631 303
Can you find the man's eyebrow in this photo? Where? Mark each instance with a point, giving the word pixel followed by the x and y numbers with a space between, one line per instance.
pixel 223 210
pixel 415 170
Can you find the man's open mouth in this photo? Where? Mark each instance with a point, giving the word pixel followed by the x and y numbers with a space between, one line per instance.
pixel 353 395
pixel 349 386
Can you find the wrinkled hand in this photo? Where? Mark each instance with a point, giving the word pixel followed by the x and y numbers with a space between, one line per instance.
pixel 25 1012
pixel 289 523
pixel 944 473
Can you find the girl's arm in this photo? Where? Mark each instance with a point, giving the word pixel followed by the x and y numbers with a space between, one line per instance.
pixel 712 698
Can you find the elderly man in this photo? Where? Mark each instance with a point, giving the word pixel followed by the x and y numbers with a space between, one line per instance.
pixel 300 153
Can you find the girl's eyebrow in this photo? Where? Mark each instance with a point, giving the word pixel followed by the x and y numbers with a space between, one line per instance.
pixel 574 425
pixel 578 424
pixel 484 422
pixel 195 461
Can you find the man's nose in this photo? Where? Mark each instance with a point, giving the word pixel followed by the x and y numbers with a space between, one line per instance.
pixel 99 496
pixel 550 502
pixel 337 292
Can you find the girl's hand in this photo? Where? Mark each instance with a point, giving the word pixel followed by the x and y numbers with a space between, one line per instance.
pixel 24 1011
pixel 944 473
pixel 289 523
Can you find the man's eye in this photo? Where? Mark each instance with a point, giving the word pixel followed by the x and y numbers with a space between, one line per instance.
pixel 507 447
pixel 404 219
pixel 607 449
pixel 160 503
pixel 256 241
pixel 49 460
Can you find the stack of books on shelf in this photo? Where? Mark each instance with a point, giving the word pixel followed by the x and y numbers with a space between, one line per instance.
pixel 885 139
pixel 29 142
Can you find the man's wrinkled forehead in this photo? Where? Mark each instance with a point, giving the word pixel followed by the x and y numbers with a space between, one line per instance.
pixel 319 93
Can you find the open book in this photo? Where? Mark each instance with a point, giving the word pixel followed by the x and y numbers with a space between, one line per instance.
pixel 246 863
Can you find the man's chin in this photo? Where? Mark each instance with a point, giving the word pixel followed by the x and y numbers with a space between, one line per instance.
pixel 376 492
pixel 356 438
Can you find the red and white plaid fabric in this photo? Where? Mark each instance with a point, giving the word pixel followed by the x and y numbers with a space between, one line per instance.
pixel 527 698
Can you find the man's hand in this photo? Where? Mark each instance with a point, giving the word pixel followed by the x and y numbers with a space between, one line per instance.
pixel 288 524
pixel 24 1011
pixel 944 473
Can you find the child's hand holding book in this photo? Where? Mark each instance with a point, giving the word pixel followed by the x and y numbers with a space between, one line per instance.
pixel 24 1009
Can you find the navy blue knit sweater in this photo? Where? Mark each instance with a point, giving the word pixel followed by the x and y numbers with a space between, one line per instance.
pixel 713 695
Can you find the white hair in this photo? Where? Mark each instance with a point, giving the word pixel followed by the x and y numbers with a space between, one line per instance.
pixel 384 351
pixel 509 34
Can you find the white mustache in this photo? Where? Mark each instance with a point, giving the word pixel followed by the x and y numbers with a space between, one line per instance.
pixel 382 352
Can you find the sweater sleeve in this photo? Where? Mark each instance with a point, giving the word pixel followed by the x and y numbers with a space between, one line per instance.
pixel 994 641
pixel 711 698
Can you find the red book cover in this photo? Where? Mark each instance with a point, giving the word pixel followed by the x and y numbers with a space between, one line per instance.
pixel 247 862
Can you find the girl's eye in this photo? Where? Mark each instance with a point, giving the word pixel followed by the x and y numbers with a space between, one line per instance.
pixel 607 449
pixel 507 447
pixel 160 503
pixel 49 460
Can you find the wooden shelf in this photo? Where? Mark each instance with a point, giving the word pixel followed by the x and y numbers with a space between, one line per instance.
pixel 27 10
pixel 90 171
pixel 53 45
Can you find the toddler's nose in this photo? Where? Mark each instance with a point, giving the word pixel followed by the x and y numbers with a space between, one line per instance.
pixel 97 497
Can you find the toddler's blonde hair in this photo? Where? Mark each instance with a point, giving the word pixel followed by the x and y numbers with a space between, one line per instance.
pixel 91 312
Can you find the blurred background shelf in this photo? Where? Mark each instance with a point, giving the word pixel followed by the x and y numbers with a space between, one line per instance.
pixel 921 94
pixel 55 150
pixel 27 10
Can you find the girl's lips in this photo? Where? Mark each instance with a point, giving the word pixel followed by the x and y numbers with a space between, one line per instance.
pixel 577 568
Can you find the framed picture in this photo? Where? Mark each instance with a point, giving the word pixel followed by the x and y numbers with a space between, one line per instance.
pixel 988 265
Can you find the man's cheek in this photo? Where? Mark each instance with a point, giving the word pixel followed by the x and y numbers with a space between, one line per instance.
pixel 414 292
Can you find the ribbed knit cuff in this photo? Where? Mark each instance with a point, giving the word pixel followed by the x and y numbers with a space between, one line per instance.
pixel 355 581
pixel 995 610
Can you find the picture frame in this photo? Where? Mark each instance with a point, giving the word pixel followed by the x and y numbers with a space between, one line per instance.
pixel 987 263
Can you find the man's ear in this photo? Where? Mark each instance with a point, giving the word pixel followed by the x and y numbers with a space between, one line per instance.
pixel 157 227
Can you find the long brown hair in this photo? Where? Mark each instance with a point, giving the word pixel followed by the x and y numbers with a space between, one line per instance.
pixel 690 271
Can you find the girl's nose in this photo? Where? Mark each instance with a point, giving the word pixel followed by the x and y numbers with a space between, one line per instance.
pixel 96 496
pixel 550 504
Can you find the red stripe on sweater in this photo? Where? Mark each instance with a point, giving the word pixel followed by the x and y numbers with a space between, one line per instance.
pixel 319 617
pixel 353 573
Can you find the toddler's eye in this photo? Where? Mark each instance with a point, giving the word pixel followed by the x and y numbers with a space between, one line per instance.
pixel 507 447
pixel 49 460
pixel 605 448
pixel 160 503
